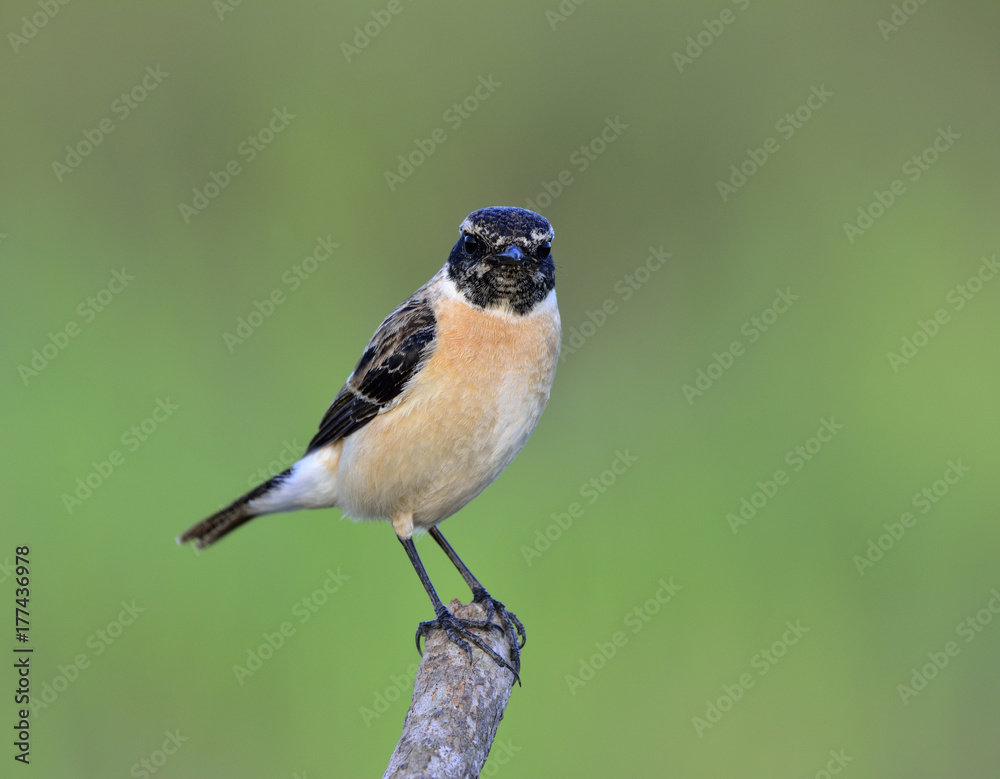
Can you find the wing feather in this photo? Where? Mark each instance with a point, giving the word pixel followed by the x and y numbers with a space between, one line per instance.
pixel 397 351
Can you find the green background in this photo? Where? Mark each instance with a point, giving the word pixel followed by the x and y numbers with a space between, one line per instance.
pixel 240 409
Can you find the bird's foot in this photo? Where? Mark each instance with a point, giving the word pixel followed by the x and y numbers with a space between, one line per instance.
pixel 459 632
pixel 512 626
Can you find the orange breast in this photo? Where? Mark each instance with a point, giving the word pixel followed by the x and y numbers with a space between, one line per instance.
pixel 461 420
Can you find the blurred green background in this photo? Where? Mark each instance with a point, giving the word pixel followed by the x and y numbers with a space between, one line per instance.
pixel 709 681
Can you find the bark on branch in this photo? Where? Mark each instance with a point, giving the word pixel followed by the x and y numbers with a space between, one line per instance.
pixel 456 709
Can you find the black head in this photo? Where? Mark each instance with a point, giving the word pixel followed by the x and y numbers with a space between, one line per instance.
pixel 502 259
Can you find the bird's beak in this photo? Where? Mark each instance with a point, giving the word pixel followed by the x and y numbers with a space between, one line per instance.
pixel 512 255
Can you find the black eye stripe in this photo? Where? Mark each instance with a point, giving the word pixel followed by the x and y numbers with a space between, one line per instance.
pixel 544 250
pixel 471 244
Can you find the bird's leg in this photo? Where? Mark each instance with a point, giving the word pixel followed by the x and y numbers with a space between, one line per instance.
pixel 512 625
pixel 457 630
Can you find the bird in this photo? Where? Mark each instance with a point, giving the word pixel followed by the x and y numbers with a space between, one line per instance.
pixel 446 393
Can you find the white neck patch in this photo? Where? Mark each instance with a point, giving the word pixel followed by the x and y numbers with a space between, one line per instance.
pixel 448 289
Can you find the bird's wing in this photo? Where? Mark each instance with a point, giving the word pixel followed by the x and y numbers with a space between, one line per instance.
pixel 398 350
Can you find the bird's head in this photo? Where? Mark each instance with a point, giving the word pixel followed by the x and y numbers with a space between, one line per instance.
pixel 503 259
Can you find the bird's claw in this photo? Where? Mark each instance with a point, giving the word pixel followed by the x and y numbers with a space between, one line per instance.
pixel 512 627
pixel 459 632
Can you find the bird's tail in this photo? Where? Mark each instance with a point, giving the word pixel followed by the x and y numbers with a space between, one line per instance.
pixel 223 522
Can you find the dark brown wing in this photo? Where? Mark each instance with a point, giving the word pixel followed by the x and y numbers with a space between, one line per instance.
pixel 400 346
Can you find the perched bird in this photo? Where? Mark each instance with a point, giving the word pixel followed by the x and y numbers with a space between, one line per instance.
pixel 446 393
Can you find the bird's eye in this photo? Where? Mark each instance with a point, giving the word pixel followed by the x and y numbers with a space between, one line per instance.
pixel 471 244
pixel 544 250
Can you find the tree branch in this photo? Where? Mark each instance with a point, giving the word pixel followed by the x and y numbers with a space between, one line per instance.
pixel 451 723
